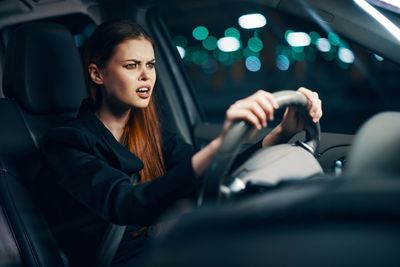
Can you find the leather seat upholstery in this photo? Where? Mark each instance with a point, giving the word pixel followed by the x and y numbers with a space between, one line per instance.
pixel 376 149
pixel 43 83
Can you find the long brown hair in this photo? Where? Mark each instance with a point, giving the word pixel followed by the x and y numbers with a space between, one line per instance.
pixel 142 132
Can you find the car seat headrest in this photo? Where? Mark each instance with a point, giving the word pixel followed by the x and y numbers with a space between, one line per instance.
pixel 376 148
pixel 43 69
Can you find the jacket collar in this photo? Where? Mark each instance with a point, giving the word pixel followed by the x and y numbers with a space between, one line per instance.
pixel 128 162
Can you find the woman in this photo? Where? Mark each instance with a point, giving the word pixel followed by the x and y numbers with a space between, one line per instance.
pixel 115 164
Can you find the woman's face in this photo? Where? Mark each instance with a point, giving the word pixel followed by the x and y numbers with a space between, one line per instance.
pixel 130 75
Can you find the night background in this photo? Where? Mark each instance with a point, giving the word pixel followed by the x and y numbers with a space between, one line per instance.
pixel 352 82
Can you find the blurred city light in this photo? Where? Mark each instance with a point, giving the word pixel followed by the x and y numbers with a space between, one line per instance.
pixel 210 43
pixel 180 41
pixel 228 44
pixel 252 21
pixel 189 53
pixel 181 51
pixel 378 57
pixel 333 38
pixel 314 37
pixel 346 55
pixel 384 21
pixel 282 62
pixel 200 33
pixel 323 45
pixel 253 63
pixel 296 39
pixel 199 57
pixel 232 32
pixel 255 44
pixel 298 53
pixel 247 52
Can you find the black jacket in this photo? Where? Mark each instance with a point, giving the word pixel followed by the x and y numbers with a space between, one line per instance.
pixel 87 179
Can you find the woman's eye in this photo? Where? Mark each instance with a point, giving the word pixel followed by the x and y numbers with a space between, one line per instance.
pixel 150 65
pixel 130 66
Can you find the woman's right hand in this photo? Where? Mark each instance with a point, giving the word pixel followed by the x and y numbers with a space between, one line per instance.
pixel 257 110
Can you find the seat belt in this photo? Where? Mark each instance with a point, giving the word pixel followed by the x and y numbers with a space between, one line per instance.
pixel 109 245
pixel 112 238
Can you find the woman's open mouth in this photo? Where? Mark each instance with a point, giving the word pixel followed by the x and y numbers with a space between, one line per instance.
pixel 143 92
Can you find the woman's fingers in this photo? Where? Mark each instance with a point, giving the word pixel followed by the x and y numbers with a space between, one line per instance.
pixel 258 108
pixel 243 114
pixel 267 101
pixel 314 103
pixel 254 107
pixel 260 104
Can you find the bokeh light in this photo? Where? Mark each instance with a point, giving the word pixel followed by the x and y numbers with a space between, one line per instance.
pixel 189 53
pixel 200 33
pixel 232 32
pixel 282 62
pixel 298 54
pixel 253 63
pixel 297 39
pixel 181 51
pixel 333 38
pixel 180 41
pixel 255 44
pixel 346 55
pixel 252 21
pixel 314 36
pixel 228 44
pixel 323 45
pixel 378 57
pixel 200 57
pixel 247 52
pixel 210 43
pixel 225 58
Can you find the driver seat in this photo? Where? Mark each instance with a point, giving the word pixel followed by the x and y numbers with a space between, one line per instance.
pixel 44 85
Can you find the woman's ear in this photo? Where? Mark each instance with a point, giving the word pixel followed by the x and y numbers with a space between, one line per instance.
pixel 95 74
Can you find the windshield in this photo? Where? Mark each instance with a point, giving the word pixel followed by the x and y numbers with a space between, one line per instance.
pixel 227 59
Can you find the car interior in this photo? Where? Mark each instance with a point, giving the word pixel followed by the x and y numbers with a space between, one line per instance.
pixel 348 218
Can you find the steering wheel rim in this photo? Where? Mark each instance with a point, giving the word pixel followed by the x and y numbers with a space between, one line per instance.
pixel 240 131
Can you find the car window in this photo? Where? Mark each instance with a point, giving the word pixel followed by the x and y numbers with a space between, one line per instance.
pixel 283 53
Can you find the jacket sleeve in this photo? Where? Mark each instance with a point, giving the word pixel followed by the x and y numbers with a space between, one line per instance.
pixel 175 149
pixel 107 191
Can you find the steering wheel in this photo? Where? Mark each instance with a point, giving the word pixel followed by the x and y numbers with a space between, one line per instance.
pixel 216 172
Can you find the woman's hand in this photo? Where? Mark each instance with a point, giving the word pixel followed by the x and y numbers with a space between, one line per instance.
pixel 292 121
pixel 256 109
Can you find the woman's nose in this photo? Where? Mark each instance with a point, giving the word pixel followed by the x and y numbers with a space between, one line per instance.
pixel 143 75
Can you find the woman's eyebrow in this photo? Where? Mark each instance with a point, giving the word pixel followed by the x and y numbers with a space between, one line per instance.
pixel 139 61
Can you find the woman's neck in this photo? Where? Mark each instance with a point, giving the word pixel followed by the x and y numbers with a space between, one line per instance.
pixel 114 121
